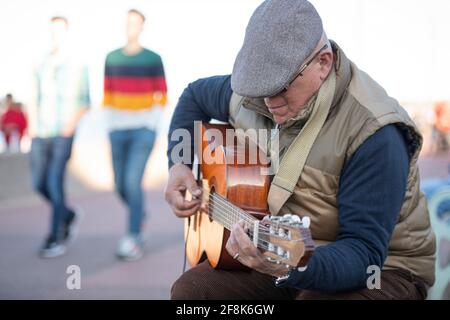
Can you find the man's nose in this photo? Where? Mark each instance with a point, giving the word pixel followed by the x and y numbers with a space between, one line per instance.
pixel 274 101
pixel 271 101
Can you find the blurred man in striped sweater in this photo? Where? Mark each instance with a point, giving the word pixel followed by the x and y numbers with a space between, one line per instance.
pixel 134 94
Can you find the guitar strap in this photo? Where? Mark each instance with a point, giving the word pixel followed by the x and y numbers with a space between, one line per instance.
pixel 291 166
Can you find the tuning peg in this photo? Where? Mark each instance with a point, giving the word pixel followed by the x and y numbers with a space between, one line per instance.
pixel 306 221
pixel 295 219
pixel 287 217
pixel 280 251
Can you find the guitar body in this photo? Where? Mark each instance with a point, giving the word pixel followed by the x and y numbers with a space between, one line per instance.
pixel 240 182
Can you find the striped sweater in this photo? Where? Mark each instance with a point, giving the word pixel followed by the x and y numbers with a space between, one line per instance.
pixel 134 82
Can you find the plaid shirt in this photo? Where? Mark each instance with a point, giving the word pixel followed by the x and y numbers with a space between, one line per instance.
pixel 62 88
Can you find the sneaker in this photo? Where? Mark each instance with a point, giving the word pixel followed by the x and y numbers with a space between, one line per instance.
pixel 130 248
pixel 70 226
pixel 52 248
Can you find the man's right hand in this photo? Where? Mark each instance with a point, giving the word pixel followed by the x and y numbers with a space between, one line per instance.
pixel 180 180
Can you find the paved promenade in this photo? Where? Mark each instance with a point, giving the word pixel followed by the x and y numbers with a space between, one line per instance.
pixel 23 223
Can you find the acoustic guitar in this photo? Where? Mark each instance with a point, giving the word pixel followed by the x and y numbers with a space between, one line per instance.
pixel 235 189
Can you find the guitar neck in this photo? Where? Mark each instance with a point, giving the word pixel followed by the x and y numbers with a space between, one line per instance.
pixel 226 213
pixel 281 239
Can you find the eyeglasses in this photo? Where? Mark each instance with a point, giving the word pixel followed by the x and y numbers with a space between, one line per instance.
pixel 302 69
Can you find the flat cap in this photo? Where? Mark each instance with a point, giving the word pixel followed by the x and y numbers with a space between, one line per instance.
pixel 279 37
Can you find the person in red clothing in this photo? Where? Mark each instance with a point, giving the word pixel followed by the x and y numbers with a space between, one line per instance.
pixel 13 122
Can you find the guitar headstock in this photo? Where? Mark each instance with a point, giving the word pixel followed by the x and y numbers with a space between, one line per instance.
pixel 289 240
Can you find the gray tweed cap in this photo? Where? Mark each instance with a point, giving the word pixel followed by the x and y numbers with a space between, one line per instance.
pixel 279 37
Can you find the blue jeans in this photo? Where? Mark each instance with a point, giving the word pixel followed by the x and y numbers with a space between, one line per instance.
pixel 49 157
pixel 131 149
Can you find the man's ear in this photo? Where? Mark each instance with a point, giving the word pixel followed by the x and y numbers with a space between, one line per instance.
pixel 325 63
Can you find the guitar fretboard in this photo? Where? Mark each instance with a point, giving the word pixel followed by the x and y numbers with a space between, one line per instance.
pixel 226 213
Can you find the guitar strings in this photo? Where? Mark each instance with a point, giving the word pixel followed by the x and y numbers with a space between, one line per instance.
pixel 241 214
pixel 229 222
pixel 222 217
pixel 263 243
pixel 237 215
pixel 223 213
pixel 227 214
pixel 237 212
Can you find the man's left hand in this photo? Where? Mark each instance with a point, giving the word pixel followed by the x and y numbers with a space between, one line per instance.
pixel 249 255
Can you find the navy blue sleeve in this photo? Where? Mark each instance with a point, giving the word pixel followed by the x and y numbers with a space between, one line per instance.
pixel 371 192
pixel 202 100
